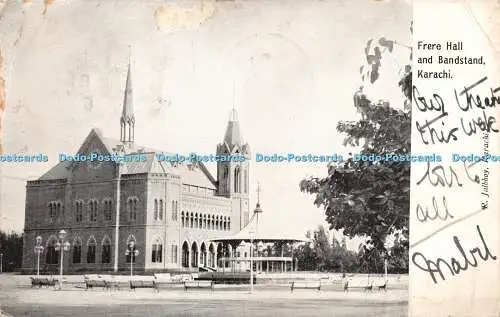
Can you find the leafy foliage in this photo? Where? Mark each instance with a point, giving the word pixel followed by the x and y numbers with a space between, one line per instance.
pixel 323 255
pixel 371 198
pixel 11 246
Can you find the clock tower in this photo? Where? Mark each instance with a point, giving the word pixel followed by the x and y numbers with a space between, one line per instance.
pixel 232 175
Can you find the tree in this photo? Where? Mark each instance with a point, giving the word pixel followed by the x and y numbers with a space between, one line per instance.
pixel 306 257
pixel 322 249
pixel 399 257
pixel 11 246
pixel 321 255
pixel 343 260
pixel 371 198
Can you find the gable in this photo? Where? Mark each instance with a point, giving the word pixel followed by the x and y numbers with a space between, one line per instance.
pixel 96 170
pixel 66 168
pixel 94 143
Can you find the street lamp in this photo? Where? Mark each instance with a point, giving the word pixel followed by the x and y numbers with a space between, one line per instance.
pixel 132 252
pixel 62 246
pixel 38 251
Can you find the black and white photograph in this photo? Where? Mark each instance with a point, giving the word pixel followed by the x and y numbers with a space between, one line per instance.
pixel 205 158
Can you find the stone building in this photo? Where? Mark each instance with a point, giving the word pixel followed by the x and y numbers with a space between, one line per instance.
pixel 169 209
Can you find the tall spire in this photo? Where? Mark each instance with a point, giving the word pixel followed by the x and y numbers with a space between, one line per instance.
pixel 232 136
pixel 127 120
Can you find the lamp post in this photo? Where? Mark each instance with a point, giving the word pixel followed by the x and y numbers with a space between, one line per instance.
pixel 38 251
pixel 251 263
pixel 132 252
pixel 385 269
pixel 257 211
pixel 62 246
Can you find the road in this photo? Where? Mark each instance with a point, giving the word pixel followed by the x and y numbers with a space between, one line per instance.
pixel 20 300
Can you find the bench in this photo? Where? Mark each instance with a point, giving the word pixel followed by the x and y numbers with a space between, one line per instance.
pixel 359 285
pixel 198 284
pixel 163 277
pixel 306 285
pixel 96 283
pixel 144 284
pixel 37 281
pixel 382 287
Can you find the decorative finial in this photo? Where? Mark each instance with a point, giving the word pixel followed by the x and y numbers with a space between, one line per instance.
pixel 234 114
pixel 258 193
pixel 257 207
pixel 233 94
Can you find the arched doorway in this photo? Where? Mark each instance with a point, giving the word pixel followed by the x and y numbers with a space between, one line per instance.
pixel 194 255
pixel 219 255
pixel 228 252
pixel 77 250
pixel 51 255
pixel 203 255
pixel 185 254
pixel 211 255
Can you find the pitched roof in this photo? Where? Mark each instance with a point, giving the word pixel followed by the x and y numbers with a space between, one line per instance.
pixel 197 175
pixel 233 134
pixel 60 171
pixel 254 231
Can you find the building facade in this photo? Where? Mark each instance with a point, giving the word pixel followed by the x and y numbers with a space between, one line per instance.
pixel 170 210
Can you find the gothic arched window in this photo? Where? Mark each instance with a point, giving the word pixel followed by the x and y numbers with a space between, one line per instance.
pixel 93 210
pixel 108 209
pixel 237 179
pixel 52 256
pixel 225 176
pixel 132 208
pixel 106 250
pixel 156 253
pixel 77 250
pixel 160 213
pixel 245 181
pixel 79 211
pixel 155 216
pixel 91 250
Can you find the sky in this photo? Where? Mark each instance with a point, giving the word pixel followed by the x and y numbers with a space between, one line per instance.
pixel 290 69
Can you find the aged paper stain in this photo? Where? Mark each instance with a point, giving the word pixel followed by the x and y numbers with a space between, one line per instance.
pixel 3 99
pixel 171 17
pixel 47 3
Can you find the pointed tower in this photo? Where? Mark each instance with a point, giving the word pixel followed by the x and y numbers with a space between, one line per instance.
pixel 233 176
pixel 127 120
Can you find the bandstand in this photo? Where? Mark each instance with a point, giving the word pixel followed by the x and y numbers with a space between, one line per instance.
pixel 266 253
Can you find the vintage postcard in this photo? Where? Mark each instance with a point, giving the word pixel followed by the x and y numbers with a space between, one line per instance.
pixel 247 158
